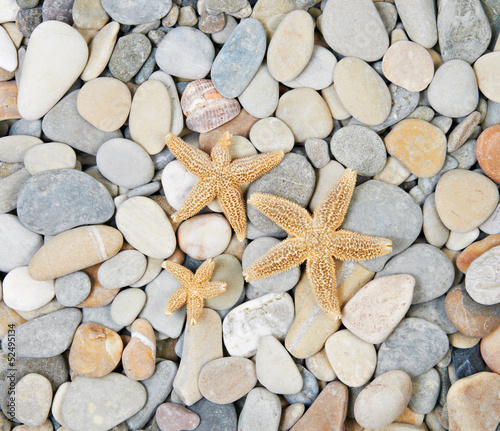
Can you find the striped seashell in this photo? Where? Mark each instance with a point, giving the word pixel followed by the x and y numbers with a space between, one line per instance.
pixel 205 108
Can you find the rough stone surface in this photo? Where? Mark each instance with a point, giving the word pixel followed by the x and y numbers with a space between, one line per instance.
pixel 130 53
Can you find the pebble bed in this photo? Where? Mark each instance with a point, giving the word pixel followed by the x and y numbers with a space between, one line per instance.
pixel 405 92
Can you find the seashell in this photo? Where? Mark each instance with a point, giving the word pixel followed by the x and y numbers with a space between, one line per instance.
pixel 205 108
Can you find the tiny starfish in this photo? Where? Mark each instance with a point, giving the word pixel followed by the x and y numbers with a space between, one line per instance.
pixel 194 288
pixel 219 178
pixel 315 239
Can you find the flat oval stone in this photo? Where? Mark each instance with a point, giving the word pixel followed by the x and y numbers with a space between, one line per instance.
pixel 271 134
pixel 54 201
pixel 49 157
pixel 433 271
pixel 291 46
pixel 100 404
pixel 226 380
pixel 242 329
pixel 185 52
pixel 58 53
pixel 47 335
pixel 362 91
pixel 423 344
pixel 34 398
pixel 393 389
pixel 73 250
pixel 487 152
pixel 419 20
pixel 486 80
pixel 261 411
pixel 464 30
pixel 17 244
pixel 377 308
pixel 228 270
pixel 14 148
pixel 261 95
pixel 139 355
pixel 465 199
pixel 173 417
pixel 127 305
pixel 354 29
pixel 434 311
pixel 425 392
pixel 359 148
pixel 138 12
pixel 72 289
pixel 240 57
pixel 453 91
pixel 381 209
pixel 123 269
pixel 481 278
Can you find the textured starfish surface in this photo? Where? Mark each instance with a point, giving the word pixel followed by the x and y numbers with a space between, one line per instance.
pixel 315 239
pixel 219 177
pixel 194 288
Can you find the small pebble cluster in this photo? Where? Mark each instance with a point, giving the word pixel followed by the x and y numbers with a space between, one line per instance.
pixel 404 92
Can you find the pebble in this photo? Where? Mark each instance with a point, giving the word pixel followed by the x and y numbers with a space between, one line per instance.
pixel 425 392
pixel 487 152
pixel 9 52
pixel 291 415
pixel 89 14
pixel 33 395
pixel 185 52
pixel 9 10
pixel 378 307
pixel 271 134
pixel 123 269
pixel 14 148
pixel 127 305
pixel 174 417
pixel 362 91
pixel 487 81
pixel 291 46
pixel 492 224
pixel 331 97
pixel 177 183
pixel 463 131
pixel 459 240
pixel 354 29
pixel 99 296
pixel 282 181
pixel 64 124
pixel 73 250
pixel 393 389
pixel 276 283
pixel 100 50
pixel 17 243
pixel 359 148
pixel 228 270
pixel 139 354
pixel 422 343
pixel 57 53
pixel 49 157
pixel 158 292
pixel 394 172
pixel 246 324
pixel 260 97
pixel 480 281
pixel 453 91
pixel 309 391
pixel 261 411
pixel 381 209
pixel 22 293
pixel 129 54
pixel 225 380
pixel 28 20
pixel 434 311
pixel 436 233
pixel 408 65
pixel 72 289
pixel 54 201
pixel 99 404
pixel 419 20
pixel 475 250
pixel 471 404
pixel 319 365
pixel 490 350
pixel 215 417
pixel 466 362
pixel 47 335
pixel 9 189
pixel 465 155
pixel 96 350
pixel 139 12
pixel 464 30
pixel 104 103
pixel 8 99
pixel 317 153
pixel 58 10
pixel 465 199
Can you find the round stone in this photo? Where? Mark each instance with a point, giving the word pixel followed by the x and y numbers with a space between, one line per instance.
pixel 49 157
pixel 487 81
pixel 137 12
pixel 408 65
pixel 359 148
pixel 72 289
pixel 33 396
pixel 465 199
pixel 362 91
pixel 271 134
pixel 488 153
pixel 260 97
pixel 127 305
pixel 125 163
pixel 228 270
pixel 130 53
pixel 123 269
pixel 173 417
pixel 453 91
pixel 23 293
pixel 481 279
pixel 104 103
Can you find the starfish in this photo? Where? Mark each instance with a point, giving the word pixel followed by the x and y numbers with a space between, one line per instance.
pixel 315 239
pixel 194 288
pixel 219 178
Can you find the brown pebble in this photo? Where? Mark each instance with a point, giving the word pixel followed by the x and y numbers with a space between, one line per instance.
pixel 488 152
pixel 463 131
pixel 490 350
pixel 476 249
pixel 177 256
pixel 8 101
pixel 140 354
pixel 209 23
pixel 410 417
pixel 99 295
pixel 291 415
pixel 174 417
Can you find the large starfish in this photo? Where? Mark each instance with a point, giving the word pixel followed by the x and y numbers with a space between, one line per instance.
pixel 194 288
pixel 315 239
pixel 219 178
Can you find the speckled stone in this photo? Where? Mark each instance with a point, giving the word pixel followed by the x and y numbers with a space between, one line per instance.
pixel 433 311
pixel 89 14
pixel 33 394
pixel 28 20
pixel 419 20
pixel 130 53
pixel 59 10
pixel 72 289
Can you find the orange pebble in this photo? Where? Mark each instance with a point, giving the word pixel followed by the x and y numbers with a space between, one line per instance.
pixel 139 357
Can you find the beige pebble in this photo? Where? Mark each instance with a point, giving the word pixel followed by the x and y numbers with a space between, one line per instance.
pixel 139 355
pixel 48 157
pixel 461 341
pixel 320 366
pixel 394 172
pixel 33 397
pixel 100 50
pixel 488 80
pixel 14 148
pixel 333 101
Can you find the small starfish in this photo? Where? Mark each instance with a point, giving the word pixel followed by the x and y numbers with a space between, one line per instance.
pixel 315 239
pixel 194 288
pixel 219 178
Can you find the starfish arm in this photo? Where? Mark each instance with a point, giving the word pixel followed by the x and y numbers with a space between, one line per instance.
pixel 176 301
pixel 184 275
pixel 333 207
pixel 249 169
pixel 212 289
pixel 282 257
pixel 220 153
pixel 347 245
pixel 194 309
pixel 286 214
pixel 232 203
pixel 204 271
pixel 194 160
pixel 321 273
pixel 199 196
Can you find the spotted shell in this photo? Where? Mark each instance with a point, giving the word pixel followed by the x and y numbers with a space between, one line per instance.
pixel 205 108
